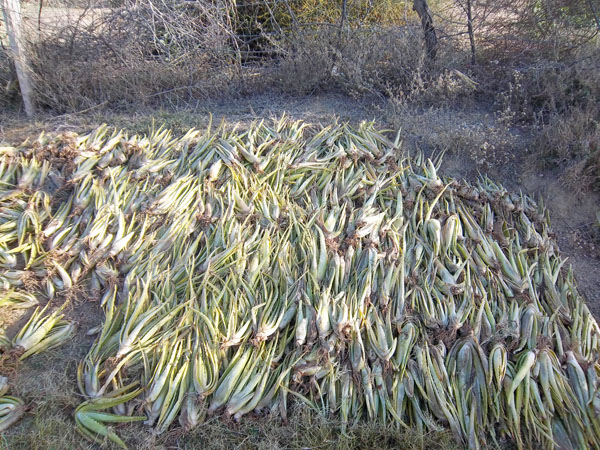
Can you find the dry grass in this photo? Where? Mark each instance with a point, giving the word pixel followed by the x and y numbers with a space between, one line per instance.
pixel 49 429
pixel 572 143
pixel 385 62
pixel 537 91
pixel 47 383
pixel 306 430
pixel 482 142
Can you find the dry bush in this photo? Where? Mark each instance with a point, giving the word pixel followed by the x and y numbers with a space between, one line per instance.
pixel 521 47
pixel 572 142
pixel 521 30
pixel 385 62
pixel 516 31
pixel 471 136
pixel 536 58
pixel 165 53
pixel 364 12
pixel 144 52
pixel 534 93
pixel 559 101
pixel 8 86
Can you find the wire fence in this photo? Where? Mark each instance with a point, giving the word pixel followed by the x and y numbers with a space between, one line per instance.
pixel 247 23
pixel 257 28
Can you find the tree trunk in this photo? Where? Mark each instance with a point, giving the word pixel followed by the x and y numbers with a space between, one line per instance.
pixel 11 10
pixel 594 13
pixel 470 30
pixel 343 18
pixel 422 9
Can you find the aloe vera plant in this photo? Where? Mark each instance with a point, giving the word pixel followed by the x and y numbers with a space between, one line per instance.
pixel 91 418
pixel 42 332
pixel 11 410
pixel 241 270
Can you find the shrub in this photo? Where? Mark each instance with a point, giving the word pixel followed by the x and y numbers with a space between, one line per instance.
pixel 535 92
pixel 140 53
pixel 8 85
pixel 380 61
pixel 572 142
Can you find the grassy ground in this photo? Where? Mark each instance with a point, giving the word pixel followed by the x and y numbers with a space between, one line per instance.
pixel 47 383
pixel 52 398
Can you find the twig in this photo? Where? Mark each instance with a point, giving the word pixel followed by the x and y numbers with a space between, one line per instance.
pixel 40 16
pixel 82 111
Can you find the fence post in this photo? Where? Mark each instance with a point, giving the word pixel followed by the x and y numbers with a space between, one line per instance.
pixel 11 10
